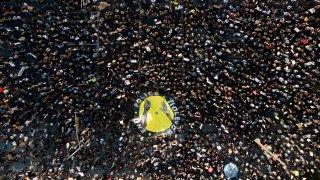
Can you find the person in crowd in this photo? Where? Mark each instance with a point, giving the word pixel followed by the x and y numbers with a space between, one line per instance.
pixel 238 71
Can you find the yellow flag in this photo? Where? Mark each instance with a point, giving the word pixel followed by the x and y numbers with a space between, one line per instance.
pixel 6 105
pixel 296 173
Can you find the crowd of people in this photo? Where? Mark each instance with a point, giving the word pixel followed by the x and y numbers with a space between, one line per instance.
pixel 238 71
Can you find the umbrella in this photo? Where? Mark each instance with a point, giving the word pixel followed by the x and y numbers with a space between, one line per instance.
pixel 230 170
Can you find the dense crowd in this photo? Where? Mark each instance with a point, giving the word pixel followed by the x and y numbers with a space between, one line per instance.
pixel 238 71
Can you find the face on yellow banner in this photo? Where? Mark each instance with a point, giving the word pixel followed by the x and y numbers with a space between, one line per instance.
pixel 156 114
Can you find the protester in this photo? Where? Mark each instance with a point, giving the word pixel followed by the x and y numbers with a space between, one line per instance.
pixel 238 71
